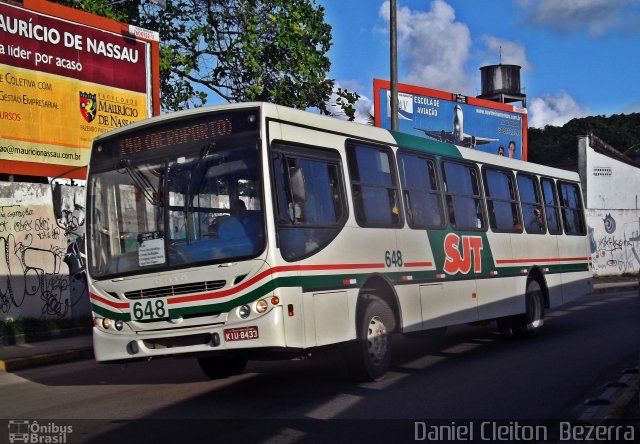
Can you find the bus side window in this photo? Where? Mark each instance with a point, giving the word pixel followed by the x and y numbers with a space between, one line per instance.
pixel 422 197
pixel 309 221
pixel 503 207
pixel 464 200
pixel 532 207
pixel 551 207
pixel 572 212
pixel 374 186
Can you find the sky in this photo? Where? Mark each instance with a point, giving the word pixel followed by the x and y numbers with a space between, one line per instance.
pixel 578 57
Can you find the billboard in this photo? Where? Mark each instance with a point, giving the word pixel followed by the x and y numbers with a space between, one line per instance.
pixel 469 122
pixel 66 77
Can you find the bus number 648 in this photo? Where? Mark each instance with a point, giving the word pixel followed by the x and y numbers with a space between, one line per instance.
pixel 393 258
pixel 149 310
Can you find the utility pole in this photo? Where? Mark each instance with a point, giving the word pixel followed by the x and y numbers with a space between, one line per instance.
pixel 393 34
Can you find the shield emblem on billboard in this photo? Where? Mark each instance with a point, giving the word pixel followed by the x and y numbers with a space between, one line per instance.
pixel 88 106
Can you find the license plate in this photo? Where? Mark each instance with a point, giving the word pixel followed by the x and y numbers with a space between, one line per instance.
pixel 241 334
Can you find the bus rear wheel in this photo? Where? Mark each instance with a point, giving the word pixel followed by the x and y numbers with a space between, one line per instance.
pixel 533 319
pixel 371 354
pixel 529 324
pixel 218 367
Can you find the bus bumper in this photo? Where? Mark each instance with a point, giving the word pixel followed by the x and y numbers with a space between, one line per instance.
pixel 263 332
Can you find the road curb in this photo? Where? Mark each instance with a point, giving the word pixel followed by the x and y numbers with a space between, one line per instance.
pixel 614 401
pixel 61 357
pixel 614 286
pixel 619 408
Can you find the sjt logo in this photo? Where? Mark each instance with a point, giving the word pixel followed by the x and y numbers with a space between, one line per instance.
pixel 457 261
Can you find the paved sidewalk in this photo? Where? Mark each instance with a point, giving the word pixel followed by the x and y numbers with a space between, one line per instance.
pixel 53 351
pixel 621 284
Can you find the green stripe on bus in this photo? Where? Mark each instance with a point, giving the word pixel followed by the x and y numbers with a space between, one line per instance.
pixel 427 145
pixel 315 283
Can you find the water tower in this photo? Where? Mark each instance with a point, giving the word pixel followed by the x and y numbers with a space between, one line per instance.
pixel 501 83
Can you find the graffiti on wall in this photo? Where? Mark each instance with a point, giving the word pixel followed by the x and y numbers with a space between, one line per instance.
pixel 34 280
pixel 615 242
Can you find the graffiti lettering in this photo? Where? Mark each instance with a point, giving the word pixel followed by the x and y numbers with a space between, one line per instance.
pixel 615 252
pixel 34 280
pixel 41 223
pixel 23 225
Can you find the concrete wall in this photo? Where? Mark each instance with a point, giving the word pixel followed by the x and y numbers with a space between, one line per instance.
pixel 615 241
pixel 611 184
pixel 612 193
pixel 34 280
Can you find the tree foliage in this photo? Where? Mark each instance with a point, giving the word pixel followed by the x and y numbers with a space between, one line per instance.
pixel 239 50
pixel 554 145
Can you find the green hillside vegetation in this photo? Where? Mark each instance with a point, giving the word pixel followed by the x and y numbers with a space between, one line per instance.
pixel 558 146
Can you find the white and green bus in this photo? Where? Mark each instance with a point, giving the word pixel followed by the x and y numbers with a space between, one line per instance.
pixel 245 230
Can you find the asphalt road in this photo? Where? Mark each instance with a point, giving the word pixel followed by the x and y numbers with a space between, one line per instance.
pixel 472 374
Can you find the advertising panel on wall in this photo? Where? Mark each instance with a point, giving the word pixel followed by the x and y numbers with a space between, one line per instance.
pixel 65 77
pixel 469 122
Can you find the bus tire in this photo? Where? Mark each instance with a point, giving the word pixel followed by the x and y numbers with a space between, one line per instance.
pixel 218 367
pixel 371 354
pixel 530 323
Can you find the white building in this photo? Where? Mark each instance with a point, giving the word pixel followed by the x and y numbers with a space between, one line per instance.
pixel 611 186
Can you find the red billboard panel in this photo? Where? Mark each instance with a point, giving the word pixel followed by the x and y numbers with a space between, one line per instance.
pixel 66 77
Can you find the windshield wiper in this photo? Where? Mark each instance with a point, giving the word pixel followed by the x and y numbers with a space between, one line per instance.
pixel 142 182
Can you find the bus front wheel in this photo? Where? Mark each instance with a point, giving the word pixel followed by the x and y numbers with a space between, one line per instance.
pixel 371 354
pixel 218 367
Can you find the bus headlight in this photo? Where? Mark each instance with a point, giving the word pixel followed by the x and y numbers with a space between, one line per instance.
pixel 106 323
pixel 261 306
pixel 119 325
pixel 244 311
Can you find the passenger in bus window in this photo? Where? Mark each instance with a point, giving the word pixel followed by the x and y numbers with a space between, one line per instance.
pixel 451 211
pixel 239 209
pixel 539 221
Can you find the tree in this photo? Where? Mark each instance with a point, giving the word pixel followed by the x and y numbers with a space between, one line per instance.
pixel 240 50
pixel 554 145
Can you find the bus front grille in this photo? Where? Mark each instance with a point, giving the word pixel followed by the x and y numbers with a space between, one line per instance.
pixel 174 290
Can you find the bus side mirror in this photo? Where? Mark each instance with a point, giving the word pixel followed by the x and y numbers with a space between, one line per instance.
pixel 57 201
pixel 297 185
pixel 74 260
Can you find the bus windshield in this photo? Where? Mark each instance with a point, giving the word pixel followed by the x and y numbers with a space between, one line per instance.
pixel 202 204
